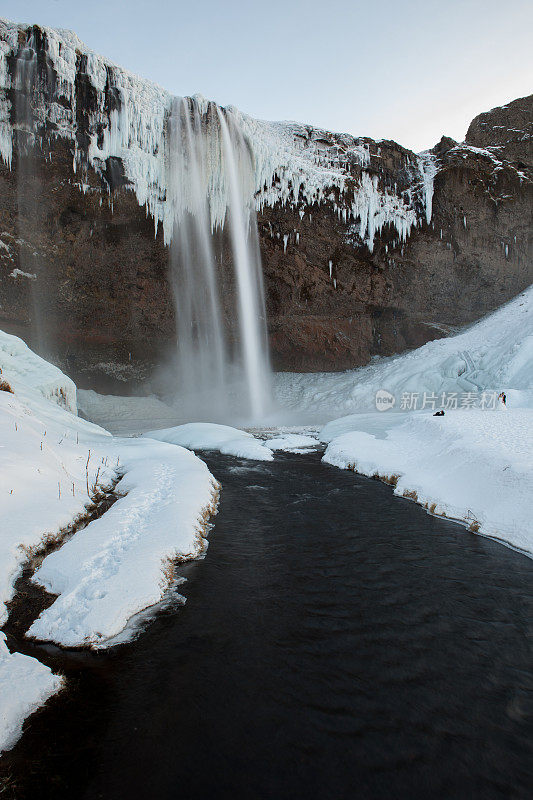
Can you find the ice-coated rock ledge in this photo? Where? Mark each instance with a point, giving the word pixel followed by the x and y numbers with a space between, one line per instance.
pixel 127 119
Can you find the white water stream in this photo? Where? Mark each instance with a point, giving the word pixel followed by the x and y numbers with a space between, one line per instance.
pixel 222 359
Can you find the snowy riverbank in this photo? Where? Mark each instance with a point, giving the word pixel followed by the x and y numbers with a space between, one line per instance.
pixel 475 463
pixel 474 466
pixel 51 465
pixel 494 354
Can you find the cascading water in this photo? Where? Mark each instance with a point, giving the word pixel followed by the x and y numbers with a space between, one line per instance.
pixel 210 179
pixel 29 188
pixel 201 351
pixel 247 262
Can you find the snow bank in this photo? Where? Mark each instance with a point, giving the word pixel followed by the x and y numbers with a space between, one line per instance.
pixel 473 465
pixel 25 684
pixel 51 462
pixel 493 354
pixel 43 487
pixel 48 459
pixel 116 568
pixel 27 373
pixel 208 436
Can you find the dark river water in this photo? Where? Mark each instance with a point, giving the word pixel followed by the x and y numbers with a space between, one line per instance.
pixel 336 642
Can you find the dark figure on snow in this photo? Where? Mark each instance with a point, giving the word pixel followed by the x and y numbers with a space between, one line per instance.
pixel 439 413
pixel 503 398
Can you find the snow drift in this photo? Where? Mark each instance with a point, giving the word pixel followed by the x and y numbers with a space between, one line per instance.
pixel 208 436
pixel 493 354
pixel 475 464
pixel 28 373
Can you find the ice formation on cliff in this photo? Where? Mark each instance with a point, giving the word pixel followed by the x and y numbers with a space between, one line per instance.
pixel 127 119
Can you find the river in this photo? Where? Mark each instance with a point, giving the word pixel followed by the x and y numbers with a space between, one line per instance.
pixel 336 642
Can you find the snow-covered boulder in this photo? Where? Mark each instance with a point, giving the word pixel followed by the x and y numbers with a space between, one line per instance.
pixel 27 373
pixel 292 442
pixel 209 436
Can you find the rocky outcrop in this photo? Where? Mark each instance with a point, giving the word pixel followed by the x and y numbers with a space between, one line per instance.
pixel 507 132
pixel 367 248
pixel 473 256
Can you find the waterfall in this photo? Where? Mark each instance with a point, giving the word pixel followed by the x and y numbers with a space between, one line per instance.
pixel 29 189
pixel 222 369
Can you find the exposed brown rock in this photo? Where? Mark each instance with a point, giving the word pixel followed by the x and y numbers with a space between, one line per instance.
pixel 507 130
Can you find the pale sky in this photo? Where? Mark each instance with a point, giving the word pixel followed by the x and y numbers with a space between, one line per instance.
pixel 408 70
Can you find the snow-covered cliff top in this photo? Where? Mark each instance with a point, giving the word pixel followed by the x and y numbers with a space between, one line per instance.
pixel 122 116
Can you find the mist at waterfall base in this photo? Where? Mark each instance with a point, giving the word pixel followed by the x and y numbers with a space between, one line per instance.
pixel 220 369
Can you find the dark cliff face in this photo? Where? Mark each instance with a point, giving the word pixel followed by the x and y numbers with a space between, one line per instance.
pixel 474 255
pixel 101 275
pixel 507 131
pixel 100 302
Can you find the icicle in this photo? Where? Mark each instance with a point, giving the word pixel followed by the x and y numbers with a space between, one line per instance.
pixel 291 164
pixel 427 165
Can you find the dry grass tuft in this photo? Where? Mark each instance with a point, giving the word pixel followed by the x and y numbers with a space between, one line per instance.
pixel 169 570
pixel 4 385
pixel 392 480
pixel 410 495
pixel 474 526
pixel 170 563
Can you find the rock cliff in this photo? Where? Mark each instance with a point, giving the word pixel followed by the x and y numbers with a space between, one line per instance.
pixel 367 248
